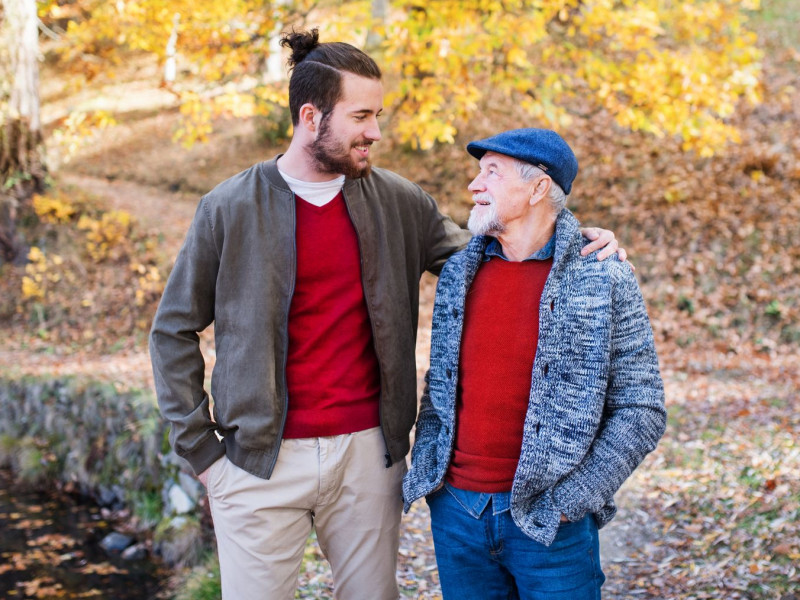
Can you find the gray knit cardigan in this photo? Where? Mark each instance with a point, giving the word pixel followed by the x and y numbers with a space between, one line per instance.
pixel 596 405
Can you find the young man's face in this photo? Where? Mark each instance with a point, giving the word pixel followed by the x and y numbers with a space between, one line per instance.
pixel 500 195
pixel 345 136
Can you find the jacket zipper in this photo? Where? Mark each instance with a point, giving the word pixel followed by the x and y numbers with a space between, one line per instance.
pixel 387 456
pixel 286 342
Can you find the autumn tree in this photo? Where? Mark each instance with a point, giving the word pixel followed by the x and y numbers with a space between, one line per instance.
pixel 666 68
pixel 220 50
pixel 21 156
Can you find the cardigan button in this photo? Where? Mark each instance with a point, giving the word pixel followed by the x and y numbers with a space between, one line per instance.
pixel 545 369
pixel 455 313
pixel 449 373
pixel 552 305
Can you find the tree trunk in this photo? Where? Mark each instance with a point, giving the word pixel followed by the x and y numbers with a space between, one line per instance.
pixel 276 68
pixel 22 165
pixel 380 10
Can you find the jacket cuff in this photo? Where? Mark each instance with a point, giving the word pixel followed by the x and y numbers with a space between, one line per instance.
pixel 541 520
pixel 205 454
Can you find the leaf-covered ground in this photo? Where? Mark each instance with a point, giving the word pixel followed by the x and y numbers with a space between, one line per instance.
pixel 723 488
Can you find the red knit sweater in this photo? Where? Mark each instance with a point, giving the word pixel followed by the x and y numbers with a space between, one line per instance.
pixel 498 347
pixel 332 371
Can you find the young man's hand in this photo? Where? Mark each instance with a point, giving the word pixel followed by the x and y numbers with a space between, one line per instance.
pixel 605 241
pixel 203 477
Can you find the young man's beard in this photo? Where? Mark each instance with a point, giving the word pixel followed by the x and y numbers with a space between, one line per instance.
pixel 332 157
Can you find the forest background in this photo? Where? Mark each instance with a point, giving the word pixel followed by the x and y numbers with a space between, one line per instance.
pixel 684 116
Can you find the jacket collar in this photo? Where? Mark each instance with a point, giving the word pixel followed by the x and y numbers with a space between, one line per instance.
pixel 269 168
pixel 567 229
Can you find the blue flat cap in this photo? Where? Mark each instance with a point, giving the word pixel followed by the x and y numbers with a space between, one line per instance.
pixel 542 148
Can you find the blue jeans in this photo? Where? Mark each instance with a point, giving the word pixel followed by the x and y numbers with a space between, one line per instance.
pixel 483 555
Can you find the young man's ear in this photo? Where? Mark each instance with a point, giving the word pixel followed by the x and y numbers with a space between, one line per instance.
pixel 309 117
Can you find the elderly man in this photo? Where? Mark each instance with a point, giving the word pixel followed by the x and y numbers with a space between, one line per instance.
pixel 543 394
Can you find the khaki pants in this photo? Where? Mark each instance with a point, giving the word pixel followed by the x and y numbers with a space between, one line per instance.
pixel 340 485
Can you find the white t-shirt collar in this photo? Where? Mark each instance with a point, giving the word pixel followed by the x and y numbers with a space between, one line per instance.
pixel 318 193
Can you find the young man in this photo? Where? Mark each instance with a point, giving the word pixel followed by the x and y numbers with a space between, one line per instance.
pixel 308 265
pixel 543 394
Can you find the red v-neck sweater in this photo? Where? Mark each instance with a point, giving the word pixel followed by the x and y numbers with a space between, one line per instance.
pixel 498 347
pixel 332 371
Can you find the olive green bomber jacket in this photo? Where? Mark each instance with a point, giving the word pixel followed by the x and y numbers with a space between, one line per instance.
pixel 237 269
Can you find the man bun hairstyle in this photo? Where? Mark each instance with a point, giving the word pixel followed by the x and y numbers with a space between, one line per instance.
pixel 316 70
pixel 301 43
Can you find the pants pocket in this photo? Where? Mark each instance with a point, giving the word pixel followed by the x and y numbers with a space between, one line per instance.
pixel 215 472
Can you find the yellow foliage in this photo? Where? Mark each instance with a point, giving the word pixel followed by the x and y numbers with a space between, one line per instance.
pixel 35 255
pixel 219 42
pixel 30 289
pixel 40 271
pixel 199 112
pixel 105 236
pixel 667 68
pixel 77 129
pixel 197 122
pixel 149 282
pixel 675 69
pixel 111 273
pixel 52 209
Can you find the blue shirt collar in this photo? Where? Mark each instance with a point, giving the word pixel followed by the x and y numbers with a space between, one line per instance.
pixel 495 249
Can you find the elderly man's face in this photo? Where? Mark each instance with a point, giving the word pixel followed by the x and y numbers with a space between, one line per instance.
pixel 500 195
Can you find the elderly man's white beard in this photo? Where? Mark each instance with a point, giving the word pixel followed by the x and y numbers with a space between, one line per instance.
pixel 483 219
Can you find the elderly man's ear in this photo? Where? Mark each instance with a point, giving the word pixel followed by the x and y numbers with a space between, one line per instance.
pixel 541 188
pixel 543 185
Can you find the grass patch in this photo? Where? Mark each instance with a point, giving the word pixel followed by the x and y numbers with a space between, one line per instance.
pixel 202 582
pixel 779 22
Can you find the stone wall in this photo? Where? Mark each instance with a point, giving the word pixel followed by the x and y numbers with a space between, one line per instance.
pixel 110 446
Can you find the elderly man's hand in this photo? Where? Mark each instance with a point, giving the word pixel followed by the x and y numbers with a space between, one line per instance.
pixel 605 241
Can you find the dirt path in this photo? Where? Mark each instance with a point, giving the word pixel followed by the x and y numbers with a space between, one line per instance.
pixel 167 213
